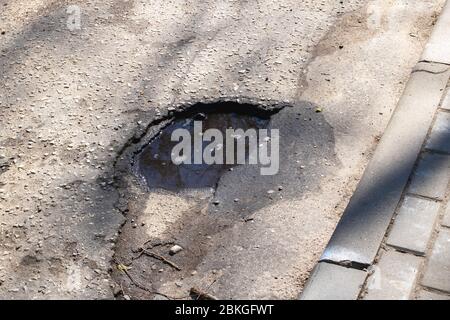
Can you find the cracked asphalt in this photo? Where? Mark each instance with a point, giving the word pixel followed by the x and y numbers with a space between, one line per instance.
pixel 75 103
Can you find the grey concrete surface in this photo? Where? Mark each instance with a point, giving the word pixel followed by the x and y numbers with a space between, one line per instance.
pixel 437 270
pixel 431 177
pixel 438 48
pixel 427 295
pixel 440 135
pixel 333 282
pixel 414 225
pixel 394 277
pixel 446 218
pixel 446 102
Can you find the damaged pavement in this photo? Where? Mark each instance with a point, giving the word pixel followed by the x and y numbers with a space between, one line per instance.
pixel 75 105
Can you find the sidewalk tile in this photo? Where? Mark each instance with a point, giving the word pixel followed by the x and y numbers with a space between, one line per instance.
pixel 394 277
pixel 431 176
pixel 437 270
pixel 440 134
pixel 414 225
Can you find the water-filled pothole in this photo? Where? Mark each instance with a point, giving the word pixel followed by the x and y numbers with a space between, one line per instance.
pixel 155 162
pixel 251 224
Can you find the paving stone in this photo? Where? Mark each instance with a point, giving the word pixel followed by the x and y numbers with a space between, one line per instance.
pixel 431 176
pixel 446 103
pixel 437 271
pixel 333 282
pixel 446 219
pixel 394 277
pixel 414 225
pixel 438 48
pixel 363 225
pixel 427 295
pixel 440 134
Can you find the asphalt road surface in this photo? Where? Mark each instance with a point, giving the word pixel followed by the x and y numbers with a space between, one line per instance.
pixel 78 95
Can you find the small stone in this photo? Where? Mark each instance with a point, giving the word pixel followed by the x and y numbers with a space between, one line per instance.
pixel 280 188
pixel 117 291
pixel 179 284
pixel 193 273
pixel 216 202
pixel 175 249
pixel 236 200
pixel 270 192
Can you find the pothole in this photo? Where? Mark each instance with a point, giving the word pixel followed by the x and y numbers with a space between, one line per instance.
pixel 232 222
pixel 230 120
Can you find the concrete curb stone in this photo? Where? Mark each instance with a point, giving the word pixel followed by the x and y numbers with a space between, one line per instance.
pixel 333 282
pixel 369 212
pixel 446 219
pixel 446 102
pixel 440 134
pixel 438 47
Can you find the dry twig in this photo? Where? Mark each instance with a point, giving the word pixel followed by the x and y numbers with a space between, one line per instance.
pixel 201 295
pixel 157 256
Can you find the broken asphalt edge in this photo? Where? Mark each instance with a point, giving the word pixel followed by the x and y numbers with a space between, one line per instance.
pixel 342 269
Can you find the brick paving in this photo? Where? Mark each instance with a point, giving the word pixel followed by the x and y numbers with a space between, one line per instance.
pixel 414 259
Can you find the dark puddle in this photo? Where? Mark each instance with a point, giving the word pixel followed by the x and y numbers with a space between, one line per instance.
pixel 154 163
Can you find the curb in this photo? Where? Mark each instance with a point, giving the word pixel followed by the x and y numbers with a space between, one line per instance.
pixel 438 47
pixel 363 225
